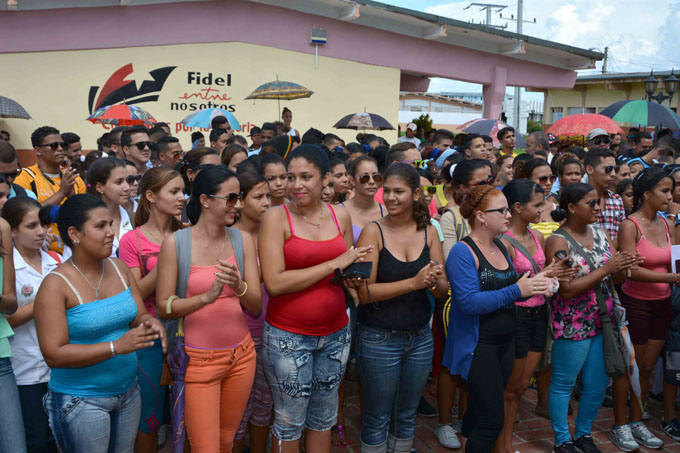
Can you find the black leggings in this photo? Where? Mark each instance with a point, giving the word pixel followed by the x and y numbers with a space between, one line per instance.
pixel 489 374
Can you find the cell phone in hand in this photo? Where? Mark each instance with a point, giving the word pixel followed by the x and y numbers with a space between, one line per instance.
pixel 562 254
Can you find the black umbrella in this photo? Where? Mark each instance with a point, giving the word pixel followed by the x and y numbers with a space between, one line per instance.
pixel 363 120
pixel 9 108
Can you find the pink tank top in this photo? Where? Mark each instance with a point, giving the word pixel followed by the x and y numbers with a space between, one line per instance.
pixel 657 259
pixel 220 325
pixel 522 264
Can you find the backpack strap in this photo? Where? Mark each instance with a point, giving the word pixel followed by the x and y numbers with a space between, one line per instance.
pixel 521 249
pixel 458 226
pixel 183 251
pixel 237 244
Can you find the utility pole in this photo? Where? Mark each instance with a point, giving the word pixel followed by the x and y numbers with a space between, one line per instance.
pixel 520 23
pixel 489 8
pixel 604 62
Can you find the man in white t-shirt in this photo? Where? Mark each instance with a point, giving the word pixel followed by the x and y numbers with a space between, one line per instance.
pixel 410 135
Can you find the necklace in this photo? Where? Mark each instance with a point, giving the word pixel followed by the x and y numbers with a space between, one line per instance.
pixel 488 249
pixel 217 256
pixel 101 277
pixel 304 217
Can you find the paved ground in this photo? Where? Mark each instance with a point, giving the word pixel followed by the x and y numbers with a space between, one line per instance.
pixel 533 434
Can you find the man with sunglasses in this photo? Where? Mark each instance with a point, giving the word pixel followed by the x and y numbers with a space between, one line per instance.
pixel 169 151
pixel 600 166
pixel 137 147
pixel 9 168
pixel 598 138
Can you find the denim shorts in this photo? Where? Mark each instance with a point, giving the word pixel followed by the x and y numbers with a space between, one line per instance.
pixel 304 373
pixel 94 425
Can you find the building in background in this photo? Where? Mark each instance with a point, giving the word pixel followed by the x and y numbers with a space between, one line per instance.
pixel 594 92
pixel 445 111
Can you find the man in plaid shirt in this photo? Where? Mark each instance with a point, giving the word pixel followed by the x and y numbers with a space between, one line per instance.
pixel 600 165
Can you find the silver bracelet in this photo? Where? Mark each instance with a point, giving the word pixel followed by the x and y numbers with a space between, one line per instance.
pixel 113 350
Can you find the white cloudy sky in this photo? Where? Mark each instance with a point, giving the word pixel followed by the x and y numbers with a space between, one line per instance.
pixel 641 35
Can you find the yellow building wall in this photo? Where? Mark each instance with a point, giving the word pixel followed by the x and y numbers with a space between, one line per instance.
pixel 54 87
pixel 596 95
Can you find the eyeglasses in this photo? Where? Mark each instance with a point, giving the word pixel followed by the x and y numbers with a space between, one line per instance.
pixel 430 189
pixel 12 175
pixel 609 168
pixel 141 145
pixel 486 182
pixel 231 199
pixel 131 179
pixel 545 179
pixel 377 178
pixel 54 145
pixel 504 211
pixel 592 203
pixel 600 140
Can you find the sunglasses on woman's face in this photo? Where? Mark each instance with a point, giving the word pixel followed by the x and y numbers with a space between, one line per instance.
pixel 430 189
pixel 230 199
pixel 486 182
pixel 131 179
pixel 545 179
pixel 592 203
pixel 377 178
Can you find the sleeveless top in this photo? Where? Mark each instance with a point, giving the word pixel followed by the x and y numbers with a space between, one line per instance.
pixel 657 259
pixel 522 265
pixel 319 309
pixel 98 321
pixel 5 329
pixel 578 318
pixel 220 325
pixel 500 323
pixel 408 312
pixel 356 230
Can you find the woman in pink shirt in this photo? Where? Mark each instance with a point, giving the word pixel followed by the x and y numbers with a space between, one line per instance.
pixel 161 200
pixel 221 352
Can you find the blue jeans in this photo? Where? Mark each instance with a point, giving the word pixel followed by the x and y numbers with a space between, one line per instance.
pixel 94 425
pixel 12 437
pixel 304 373
pixel 570 357
pixel 393 367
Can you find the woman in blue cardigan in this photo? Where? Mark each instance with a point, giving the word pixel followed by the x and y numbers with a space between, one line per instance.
pixel 484 286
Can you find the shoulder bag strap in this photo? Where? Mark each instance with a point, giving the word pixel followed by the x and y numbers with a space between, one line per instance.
pixel 599 293
pixel 237 244
pixel 520 248
pixel 183 250
pixel 139 253
pixel 456 225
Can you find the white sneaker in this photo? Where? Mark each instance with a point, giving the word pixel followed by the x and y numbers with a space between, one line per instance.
pixel 622 437
pixel 644 436
pixel 447 437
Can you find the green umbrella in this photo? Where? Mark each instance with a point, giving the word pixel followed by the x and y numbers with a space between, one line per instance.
pixel 644 113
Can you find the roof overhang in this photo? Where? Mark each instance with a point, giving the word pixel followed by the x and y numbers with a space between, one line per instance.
pixel 398 20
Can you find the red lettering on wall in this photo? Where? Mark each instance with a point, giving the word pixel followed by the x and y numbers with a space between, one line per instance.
pixel 207 94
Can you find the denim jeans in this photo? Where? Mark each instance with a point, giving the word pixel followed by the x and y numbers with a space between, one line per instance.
pixel 94 425
pixel 570 357
pixel 39 438
pixel 393 367
pixel 12 437
pixel 304 373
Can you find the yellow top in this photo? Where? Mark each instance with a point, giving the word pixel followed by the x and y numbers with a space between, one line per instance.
pixel 545 228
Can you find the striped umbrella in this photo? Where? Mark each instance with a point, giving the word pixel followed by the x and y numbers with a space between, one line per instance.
pixel 644 113
pixel 203 118
pixel 280 89
pixel 582 124
pixel 490 127
pixel 363 120
pixel 9 108
pixel 122 115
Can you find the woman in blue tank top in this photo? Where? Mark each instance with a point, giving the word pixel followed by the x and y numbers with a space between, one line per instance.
pixel 90 320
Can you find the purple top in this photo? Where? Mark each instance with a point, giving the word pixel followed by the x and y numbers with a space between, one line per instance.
pixel 256 323
pixel 356 230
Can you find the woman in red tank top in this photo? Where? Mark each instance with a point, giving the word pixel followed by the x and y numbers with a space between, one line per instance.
pixel 646 293
pixel 306 335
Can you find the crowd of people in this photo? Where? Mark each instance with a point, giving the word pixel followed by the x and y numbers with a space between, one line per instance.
pixel 251 270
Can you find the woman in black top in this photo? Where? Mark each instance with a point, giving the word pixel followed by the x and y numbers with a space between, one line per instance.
pixel 394 345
